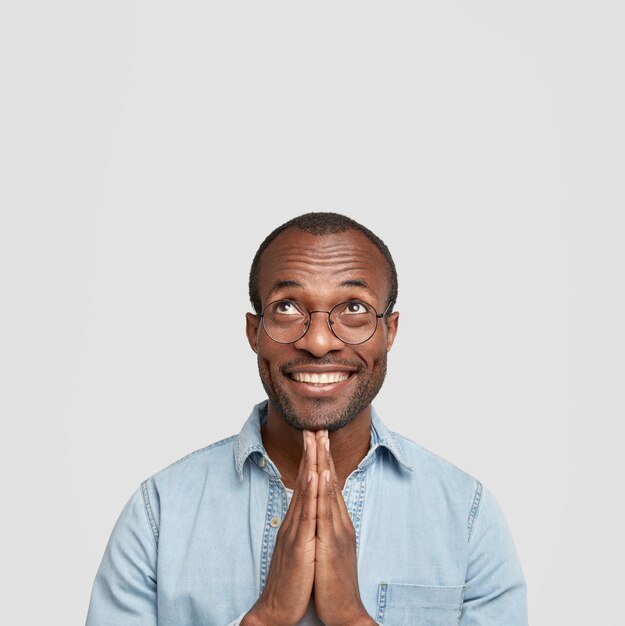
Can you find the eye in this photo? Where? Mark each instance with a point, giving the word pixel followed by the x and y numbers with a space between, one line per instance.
pixel 286 307
pixel 354 306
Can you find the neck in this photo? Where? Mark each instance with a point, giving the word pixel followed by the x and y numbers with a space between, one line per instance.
pixel 284 445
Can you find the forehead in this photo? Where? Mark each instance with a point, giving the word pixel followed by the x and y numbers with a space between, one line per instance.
pixel 323 266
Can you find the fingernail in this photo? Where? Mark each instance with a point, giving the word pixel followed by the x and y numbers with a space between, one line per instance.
pixel 327 473
pixel 305 440
pixel 328 445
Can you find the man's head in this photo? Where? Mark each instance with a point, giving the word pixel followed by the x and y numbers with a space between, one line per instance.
pixel 311 264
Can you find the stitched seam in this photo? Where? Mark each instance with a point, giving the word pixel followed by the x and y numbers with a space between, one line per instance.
pixel 149 513
pixel 223 442
pixel 464 588
pixel 253 448
pixel 476 503
pixel 264 557
pixel 396 449
pixel 358 509
pixel 382 587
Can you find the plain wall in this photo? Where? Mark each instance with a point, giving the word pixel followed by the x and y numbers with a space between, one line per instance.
pixel 147 149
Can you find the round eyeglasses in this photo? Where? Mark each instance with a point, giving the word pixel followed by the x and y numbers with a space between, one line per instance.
pixel 353 322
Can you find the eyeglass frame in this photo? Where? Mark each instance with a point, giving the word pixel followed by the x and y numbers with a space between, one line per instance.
pixel 378 316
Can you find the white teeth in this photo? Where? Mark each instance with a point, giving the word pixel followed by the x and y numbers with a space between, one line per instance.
pixel 325 377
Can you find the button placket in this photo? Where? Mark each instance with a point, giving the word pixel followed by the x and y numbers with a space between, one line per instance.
pixel 276 504
pixel 354 494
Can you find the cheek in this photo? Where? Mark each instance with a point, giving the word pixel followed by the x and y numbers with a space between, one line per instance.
pixel 267 376
pixel 269 358
pixel 375 354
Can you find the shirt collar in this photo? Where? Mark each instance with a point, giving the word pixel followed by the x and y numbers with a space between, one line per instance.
pixel 381 436
pixel 249 441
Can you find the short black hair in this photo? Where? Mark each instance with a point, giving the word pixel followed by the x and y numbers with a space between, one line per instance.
pixel 323 223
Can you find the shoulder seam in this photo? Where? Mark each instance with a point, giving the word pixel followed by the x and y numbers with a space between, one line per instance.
pixel 474 507
pixel 196 452
pixel 434 456
pixel 149 512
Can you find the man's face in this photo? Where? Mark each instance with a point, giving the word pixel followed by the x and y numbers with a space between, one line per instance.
pixel 321 272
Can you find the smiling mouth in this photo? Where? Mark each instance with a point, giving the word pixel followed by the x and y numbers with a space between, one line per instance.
pixel 321 379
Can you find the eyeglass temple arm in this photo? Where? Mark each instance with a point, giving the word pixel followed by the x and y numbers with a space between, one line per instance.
pixel 380 315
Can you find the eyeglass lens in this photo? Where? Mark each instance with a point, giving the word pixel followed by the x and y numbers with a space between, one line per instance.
pixel 353 322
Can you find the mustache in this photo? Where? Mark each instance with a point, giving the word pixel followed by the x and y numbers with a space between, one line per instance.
pixel 357 365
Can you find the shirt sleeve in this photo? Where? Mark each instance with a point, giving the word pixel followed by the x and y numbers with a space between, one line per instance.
pixel 495 590
pixel 124 591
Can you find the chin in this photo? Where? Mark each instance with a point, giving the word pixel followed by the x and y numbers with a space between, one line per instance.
pixel 319 416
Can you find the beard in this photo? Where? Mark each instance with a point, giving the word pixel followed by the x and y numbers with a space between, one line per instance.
pixel 323 413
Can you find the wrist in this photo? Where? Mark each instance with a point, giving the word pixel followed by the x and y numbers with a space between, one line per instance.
pixel 250 620
pixel 254 618
pixel 362 618
pixel 257 616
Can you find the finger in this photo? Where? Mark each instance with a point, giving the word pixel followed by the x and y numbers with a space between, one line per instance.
pixel 305 510
pixel 311 450
pixel 328 512
pixel 338 509
pixel 335 480
pixel 307 526
pixel 307 464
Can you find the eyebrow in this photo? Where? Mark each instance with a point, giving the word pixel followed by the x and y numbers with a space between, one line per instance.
pixel 354 282
pixel 358 282
pixel 283 284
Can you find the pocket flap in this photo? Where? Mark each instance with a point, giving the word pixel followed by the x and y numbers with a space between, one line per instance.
pixel 422 596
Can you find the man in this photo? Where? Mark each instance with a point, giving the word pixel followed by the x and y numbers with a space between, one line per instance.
pixel 315 513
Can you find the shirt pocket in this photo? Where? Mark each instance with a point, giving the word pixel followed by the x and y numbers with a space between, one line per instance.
pixel 426 605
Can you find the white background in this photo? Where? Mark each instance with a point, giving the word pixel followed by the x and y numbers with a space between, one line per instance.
pixel 146 150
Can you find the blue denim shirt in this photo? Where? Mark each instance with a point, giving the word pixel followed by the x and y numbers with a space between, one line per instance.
pixel 192 546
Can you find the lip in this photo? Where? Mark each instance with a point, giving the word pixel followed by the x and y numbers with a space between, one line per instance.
pixel 313 391
pixel 318 369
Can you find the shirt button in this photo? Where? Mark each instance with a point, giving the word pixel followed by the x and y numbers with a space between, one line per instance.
pixel 274 522
pixel 262 462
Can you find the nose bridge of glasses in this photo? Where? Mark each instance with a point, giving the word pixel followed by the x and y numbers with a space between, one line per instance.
pixel 308 321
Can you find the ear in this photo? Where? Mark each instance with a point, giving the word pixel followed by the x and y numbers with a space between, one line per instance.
pixel 251 330
pixel 392 323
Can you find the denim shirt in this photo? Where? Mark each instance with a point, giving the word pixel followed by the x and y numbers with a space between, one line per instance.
pixel 192 546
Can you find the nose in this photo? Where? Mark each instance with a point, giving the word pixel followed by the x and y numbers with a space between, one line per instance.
pixel 319 339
